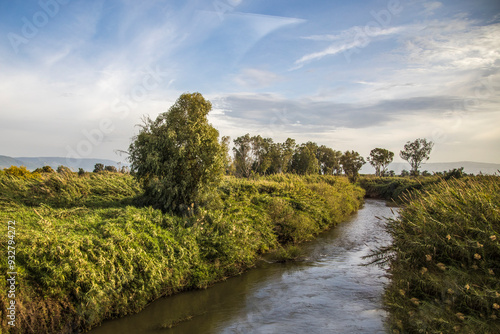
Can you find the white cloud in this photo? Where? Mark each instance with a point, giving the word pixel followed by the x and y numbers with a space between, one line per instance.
pixel 464 47
pixel 255 78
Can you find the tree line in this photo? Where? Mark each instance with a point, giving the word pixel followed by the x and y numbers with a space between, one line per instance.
pixel 255 155
pixel 178 157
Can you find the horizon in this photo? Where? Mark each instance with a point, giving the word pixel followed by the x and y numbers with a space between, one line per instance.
pixel 79 75
pixel 366 169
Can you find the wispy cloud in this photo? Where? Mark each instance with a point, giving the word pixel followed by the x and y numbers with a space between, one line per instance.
pixel 430 7
pixel 352 33
pixel 355 37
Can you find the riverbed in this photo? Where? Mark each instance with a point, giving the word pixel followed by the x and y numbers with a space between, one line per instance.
pixel 327 291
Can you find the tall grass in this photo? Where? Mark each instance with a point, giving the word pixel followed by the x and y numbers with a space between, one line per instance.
pixel 445 259
pixel 393 188
pixel 85 253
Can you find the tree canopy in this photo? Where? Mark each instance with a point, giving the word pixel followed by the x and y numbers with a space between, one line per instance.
pixel 416 152
pixel 178 156
pixel 380 158
pixel 352 163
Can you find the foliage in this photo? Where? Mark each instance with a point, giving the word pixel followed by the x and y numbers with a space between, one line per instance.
pixel 85 254
pixel 351 164
pixel 178 157
pixel 305 161
pixel 281 156
pixel 44 169
pixel 242 155
pixel 455 173
pixel 111 169
pixel 260 156
pixel 380 158
pixel 394 188
pixel 64 170
pixel 415 153
pixel 329 160
pixel 20 172
pixel 445 259
pixel 98 168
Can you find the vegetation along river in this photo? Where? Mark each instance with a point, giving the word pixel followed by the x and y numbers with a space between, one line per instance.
pixel 328 291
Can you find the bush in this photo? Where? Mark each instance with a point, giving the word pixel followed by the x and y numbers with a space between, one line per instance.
pixel 20 172
pixel 44 169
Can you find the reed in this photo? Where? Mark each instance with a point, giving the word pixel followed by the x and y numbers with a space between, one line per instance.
pixel 445 259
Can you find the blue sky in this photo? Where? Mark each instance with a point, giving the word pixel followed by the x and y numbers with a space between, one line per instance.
pixel 77 76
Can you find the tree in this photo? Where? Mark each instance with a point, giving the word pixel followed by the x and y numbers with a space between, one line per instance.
pixel 329 160
pixel 242 155
pixel 304 160
pixel 177 158
pixel 98 168
pixel 380 158
pixel 225 142
pixel 351 164
pixel 125 170
pixel 261 150
pixel 111 169
pixel 415 153
pixel 281 156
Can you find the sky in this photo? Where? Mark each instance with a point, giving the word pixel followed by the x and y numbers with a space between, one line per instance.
pixel 77 77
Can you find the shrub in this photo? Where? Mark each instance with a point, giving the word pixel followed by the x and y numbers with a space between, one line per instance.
pixel 21 172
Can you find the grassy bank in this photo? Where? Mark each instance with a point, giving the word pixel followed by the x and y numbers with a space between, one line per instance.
pixel 393 188
pixel 445 259
pixel 85 253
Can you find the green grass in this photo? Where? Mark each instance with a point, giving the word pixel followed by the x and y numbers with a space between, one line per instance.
pixel 445 259
pixel 85 252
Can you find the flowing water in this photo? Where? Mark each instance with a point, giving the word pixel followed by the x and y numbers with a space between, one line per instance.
pixel 329 291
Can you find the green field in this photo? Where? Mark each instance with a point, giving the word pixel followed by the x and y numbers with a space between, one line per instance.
pixel 86 251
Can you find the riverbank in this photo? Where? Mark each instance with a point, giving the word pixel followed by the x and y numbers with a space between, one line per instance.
pixel 444 260
pixel 292 297
pixel 85 253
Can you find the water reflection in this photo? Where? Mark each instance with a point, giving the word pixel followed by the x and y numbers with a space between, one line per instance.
pixel 327 292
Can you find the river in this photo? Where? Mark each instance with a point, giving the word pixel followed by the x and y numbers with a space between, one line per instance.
pixel 328 291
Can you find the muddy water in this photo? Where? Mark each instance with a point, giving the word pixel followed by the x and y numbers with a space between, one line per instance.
pixel 328 292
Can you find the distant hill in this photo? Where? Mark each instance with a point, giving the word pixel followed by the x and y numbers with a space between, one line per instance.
pixel 33 163
pixel 6 162
pixel 469 167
